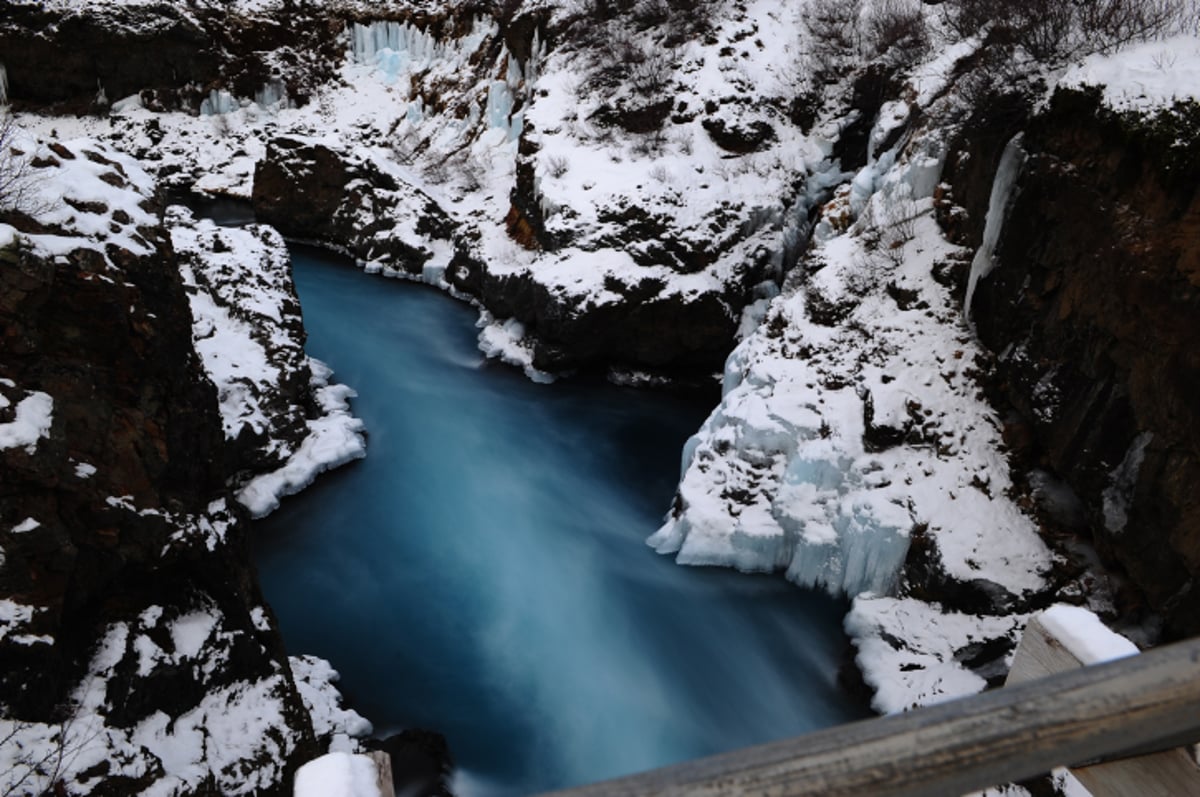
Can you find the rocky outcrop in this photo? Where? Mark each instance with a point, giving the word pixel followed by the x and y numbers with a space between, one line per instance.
pixel 171 54
pixel 311 192
pixel 1094 311
pixel 131 627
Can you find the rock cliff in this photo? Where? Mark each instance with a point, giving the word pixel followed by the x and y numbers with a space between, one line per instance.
pixel 1093 313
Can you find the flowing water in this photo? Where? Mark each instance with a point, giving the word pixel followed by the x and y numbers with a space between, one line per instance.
pixel 483 571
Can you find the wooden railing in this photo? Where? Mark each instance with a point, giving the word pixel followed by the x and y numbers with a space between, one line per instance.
pixel 1127 707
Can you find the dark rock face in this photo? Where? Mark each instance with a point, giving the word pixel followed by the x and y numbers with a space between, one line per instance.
pixel 71 57
pixel 666 334
pixel 162 51
pixel 421 762
pixel 310 192
pixel 1095 309
pixel 135 550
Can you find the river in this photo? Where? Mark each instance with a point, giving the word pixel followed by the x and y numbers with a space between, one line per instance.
pixel 483 571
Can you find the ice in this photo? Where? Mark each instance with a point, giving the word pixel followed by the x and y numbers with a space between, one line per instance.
pixel 272 93
pixel 1084 635
pixel 3 85
pixel 398 48
pixel 1123 479
pixel 337 775
pixel 1011 162
pixel 218 102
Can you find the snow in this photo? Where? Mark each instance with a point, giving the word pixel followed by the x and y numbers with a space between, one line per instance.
pixel 781 477
pixel 26 525
pixel 1144 76
pixel 315 679
pixel 505 341
pixel 33 417
pixel 235 738
pixel 334 439
pixel 337 775
pixel 1084 635
pixel 190 632
pixel 926 669
pixel 84 470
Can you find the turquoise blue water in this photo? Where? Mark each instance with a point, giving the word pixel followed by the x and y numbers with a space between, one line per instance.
pixel 483 571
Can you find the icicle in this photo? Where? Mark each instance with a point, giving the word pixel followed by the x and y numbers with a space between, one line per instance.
pixel 3 85
pixel 218 102
pixel 101 97
pixel 1003 184
pixel 272 93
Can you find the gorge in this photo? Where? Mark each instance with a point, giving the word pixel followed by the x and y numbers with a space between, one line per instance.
pixel 483 572
pixel 944 273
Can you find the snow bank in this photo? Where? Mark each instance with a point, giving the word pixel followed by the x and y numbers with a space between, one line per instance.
pixel 334 439
pixel 1144 76
pixel 337 775
pixel 850 418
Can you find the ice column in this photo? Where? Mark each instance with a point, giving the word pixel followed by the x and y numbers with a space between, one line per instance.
pixel 1005 181
pixel 218 102
pixel 3 85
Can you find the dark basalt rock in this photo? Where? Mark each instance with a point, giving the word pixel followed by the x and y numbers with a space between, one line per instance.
pixel 113 349
pixel 53 58
pixel 421 762
pixel 1095 304
pixel 739 138
pixel 312 193
pixel 162 52
pixel 875 86
pixel 672 333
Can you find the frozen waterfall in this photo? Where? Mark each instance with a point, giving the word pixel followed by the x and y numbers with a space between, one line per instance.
pixel 1003 185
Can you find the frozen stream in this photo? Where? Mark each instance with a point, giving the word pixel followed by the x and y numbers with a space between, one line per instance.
pixel 484 572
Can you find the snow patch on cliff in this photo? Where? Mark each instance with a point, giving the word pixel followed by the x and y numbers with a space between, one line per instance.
pixel 1144 76
pixel 32 417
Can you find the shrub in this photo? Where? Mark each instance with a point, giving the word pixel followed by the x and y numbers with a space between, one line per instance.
pixel 833 35
pixel 16 179
pixel 896 29
pixel 1054 30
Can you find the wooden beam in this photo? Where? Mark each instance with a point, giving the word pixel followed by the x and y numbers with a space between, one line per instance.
pixel 1169 773
pixel 383 773
pixel 959 746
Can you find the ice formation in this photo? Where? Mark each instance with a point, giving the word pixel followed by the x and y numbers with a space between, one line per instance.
pixel 218 102
pixel 1003 185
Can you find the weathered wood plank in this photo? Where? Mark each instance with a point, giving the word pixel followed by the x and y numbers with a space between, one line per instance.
pixel 959 746
pixel 1165 774
pixel 383 770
